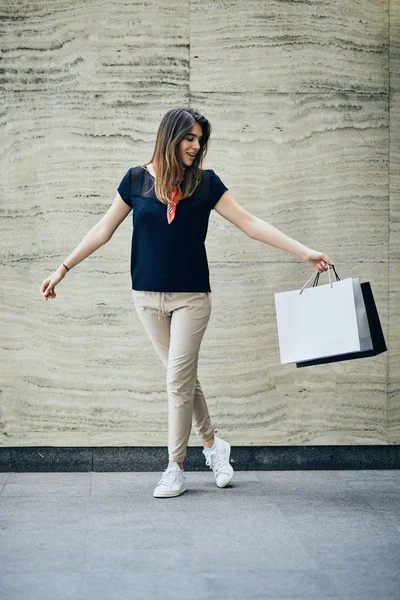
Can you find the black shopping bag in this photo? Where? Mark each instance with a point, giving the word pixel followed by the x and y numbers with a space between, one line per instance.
pixel 377 337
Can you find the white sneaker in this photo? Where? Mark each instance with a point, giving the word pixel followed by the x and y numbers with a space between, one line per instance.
pixel 217 458
pixel 172 482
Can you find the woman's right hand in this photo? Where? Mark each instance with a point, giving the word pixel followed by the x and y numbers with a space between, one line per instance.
pixel 48 285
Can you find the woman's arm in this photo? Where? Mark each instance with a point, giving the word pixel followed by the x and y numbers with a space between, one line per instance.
pixel 265 232
pixel 96 237
pixel 260 230
pixel 101 232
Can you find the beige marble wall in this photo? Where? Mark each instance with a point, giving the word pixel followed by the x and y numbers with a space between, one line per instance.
pixel 393 413
pixel 304 100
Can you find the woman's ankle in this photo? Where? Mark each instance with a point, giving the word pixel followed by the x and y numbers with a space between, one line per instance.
pixel 209 443
pixel 180 464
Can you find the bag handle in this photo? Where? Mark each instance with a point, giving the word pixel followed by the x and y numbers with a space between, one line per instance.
pixel 315 276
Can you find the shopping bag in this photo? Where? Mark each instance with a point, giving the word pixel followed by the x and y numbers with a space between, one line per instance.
pixel 377 337
pixel 322 321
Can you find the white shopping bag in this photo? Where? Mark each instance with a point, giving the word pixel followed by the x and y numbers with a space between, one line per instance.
pixel 321 321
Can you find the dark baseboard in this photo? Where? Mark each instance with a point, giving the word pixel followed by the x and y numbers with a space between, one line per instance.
pixel 243 458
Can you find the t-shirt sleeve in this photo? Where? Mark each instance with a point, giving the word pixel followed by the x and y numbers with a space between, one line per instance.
pixel 217 188
pixel 125 188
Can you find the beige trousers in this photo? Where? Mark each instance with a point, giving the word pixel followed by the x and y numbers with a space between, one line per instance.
pixel 175 323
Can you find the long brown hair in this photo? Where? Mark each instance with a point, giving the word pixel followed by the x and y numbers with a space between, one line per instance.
pixel 175 125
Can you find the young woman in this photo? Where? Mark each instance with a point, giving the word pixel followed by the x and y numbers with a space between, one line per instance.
pixel 171 198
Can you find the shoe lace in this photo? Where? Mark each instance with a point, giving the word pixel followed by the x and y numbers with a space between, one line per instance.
pixel 169 476
pixel 214 462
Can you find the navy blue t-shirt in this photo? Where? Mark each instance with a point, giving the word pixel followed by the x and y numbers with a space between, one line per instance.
pixel 169 257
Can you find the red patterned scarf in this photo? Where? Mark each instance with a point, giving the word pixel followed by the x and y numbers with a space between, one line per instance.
pixel 174 195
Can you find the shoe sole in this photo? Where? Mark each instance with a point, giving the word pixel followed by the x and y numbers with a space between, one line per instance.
pixel 178 493
pixel 222 485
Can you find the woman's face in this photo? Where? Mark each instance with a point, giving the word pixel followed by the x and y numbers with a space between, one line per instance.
pixel 190 145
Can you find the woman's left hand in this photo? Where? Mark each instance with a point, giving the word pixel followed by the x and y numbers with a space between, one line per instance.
pixel 318 260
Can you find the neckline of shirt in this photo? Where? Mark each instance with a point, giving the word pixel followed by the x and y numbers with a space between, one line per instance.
pixel 150 170
pixel 146 168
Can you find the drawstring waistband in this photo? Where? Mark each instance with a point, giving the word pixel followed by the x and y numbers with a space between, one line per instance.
pixel 161 305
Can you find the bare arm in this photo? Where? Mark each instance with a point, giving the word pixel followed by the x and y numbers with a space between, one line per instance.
pixel 97 236
pixel 265 232
pixel 101 232
pixel 260 230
